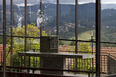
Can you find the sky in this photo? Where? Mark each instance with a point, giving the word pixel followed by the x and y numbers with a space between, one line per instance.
pixel 102 1
pixel 62 1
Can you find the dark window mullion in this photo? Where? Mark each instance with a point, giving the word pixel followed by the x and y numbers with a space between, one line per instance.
pixel 98 29
pixel 4 38
pixel 11 10
pixel 57 26
pixel 41 17
pixel 76 31
pixel 76 26
pixel 25 30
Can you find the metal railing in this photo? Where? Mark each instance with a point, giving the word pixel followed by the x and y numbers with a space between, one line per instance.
pixel 108 61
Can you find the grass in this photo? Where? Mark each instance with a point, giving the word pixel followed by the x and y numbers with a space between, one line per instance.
pixel 86 35
pixel 83 36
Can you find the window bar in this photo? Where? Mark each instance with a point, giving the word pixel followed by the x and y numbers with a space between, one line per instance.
pixel 18 64
pixel 41 17
pixel 84 68
pixel 92 60
pixel 76 25
pixel 92 52
pixel 11 10
pixel 104 63
pixel 0 21
pixel 1 58
pixel 28 64
pixel 36 62
pixel 76 29
pixel 25 31
pixel 4 38
pixel 57 18
pixel 21 62
pixel 88 60
pixel 114 64
pixel 98 29
pixel 101 62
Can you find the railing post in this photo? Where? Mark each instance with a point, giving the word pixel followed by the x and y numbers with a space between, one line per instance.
pixel 88 74
pixel 1 58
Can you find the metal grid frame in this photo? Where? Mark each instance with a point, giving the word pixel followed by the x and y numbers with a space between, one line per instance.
pixel 98 9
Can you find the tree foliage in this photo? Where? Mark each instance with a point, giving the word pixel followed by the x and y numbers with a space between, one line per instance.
pixel 84 64
pixel 19 45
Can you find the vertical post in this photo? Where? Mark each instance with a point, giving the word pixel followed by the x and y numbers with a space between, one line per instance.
pixel 41 17
pixel 76 25
pixel 57 18
pixel 1 28
pixel 76 29
pixel 4 38
pixel 1 58
pixel 0 21
pixel 92 53
pixel 25 31
pixel 11 10
pixel 57 24
pixel 98 29
pixel 29 65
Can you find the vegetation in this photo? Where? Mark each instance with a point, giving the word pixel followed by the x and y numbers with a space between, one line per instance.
pixel 61 43
pixel 83 64
pixel 18 43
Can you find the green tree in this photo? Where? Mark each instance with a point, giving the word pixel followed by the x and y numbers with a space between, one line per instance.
pixel 18 43
pixel 84 64
pixel 61 43
pixel 72 43
pixel 85 48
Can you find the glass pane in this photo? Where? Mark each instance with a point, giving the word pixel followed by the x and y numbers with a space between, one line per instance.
pixel 33 44
pixel 67 18
pixel 33 6
pixel 18 18
pixel 66 46
pixel 108 21
pixel 18 46
pixel 108 32
pixel 32 13
pixel 86 19
pixel 1 17
pixel 1 50
pixel 49 16
pixel 8 18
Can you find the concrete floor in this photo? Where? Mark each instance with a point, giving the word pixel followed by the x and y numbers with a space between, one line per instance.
pixel 74 75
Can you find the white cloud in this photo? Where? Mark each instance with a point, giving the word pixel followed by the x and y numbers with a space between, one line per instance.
pixel 61 1
pixel 85 1
pixel 22 4
pixel 102 1
pixel 108 1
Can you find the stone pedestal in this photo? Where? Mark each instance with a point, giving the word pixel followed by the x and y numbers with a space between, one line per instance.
pixel 52 63
pixel 49 44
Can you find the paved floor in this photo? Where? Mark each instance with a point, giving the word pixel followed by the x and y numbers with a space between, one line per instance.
pixel 73 75
pixel 76 75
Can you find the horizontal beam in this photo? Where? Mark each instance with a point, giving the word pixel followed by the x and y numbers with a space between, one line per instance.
pixel 49 69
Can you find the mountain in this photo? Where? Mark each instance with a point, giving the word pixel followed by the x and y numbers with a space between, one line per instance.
pixel 108 6
pixel 86 17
